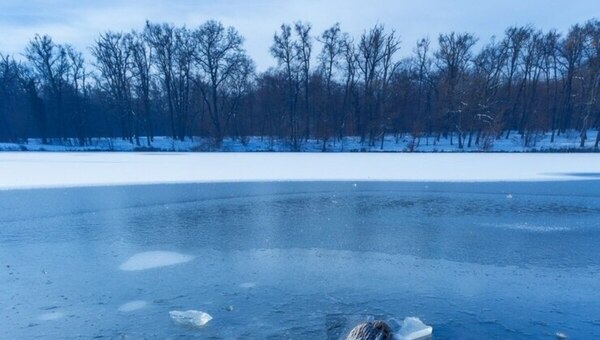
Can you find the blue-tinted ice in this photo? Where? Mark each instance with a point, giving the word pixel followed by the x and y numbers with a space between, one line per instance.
pixel 301 260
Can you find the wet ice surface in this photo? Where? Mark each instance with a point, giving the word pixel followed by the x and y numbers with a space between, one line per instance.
pixel 306 262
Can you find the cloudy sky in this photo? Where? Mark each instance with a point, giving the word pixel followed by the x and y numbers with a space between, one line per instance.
pixel 79 21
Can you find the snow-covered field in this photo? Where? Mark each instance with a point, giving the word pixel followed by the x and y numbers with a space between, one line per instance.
pixel 41 170
pixel 515 143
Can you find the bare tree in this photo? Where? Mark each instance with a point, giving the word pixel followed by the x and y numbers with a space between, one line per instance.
pixel 453 59
pixel 591 78
pixel 222 60
pixel 285 49
pixel 141 66
pixel 375 61
pixel 513 44
pixel 304 52
pixel 9 94
pixel 77 80
pixel 50 65
pixel 330 60
pixel 572 52
pixel 113 60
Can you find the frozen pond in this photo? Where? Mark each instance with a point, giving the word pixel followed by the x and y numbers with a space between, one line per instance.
pixel 301 260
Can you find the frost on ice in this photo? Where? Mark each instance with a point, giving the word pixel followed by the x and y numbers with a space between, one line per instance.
pixel 192 318
pixel 132 306
pixel 154 259
pixel 413 329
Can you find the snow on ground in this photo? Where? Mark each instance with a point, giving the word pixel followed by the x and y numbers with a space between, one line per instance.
pixel 19 170
pixel 514 143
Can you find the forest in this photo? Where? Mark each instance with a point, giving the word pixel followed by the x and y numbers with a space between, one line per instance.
pixel 167 80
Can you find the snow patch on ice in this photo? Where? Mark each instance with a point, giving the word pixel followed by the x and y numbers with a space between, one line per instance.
pixel 190 318
pixel 132 306
pixel 154 259
pixel 51 316
pixel 248 285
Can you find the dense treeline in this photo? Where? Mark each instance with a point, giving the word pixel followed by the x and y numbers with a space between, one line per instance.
pixel 180 81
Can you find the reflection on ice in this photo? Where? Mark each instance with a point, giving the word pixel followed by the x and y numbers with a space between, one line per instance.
pixel 154 259
pixel 132 306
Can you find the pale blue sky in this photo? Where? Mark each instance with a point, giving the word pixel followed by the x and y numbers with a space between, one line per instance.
pixel 79 21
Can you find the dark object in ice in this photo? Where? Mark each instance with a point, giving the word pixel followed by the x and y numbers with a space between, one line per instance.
pixel 372 330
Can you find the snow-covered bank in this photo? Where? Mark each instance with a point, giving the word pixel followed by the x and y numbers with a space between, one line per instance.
pixel 515 143
pixel 42 170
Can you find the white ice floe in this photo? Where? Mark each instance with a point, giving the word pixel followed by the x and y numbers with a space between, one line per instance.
pixel 132 306
pixel 154 259
pixel 51 316
pixel 413 329
pixel 191 318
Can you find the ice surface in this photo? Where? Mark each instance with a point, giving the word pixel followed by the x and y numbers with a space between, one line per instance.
pixel 42 170
pixel 132 306
pixel 192 318
pixel 413 329
pixel 154 259
pixel 460 267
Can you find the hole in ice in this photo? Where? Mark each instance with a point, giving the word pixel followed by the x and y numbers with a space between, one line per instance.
pixel 50 316
pixel 132 306
pixel 154 259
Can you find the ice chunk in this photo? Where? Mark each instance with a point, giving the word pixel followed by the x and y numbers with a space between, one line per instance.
pixel 51 316
pixel 413 329
pixel 191 318
pixel 154 259
pixel 132 306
